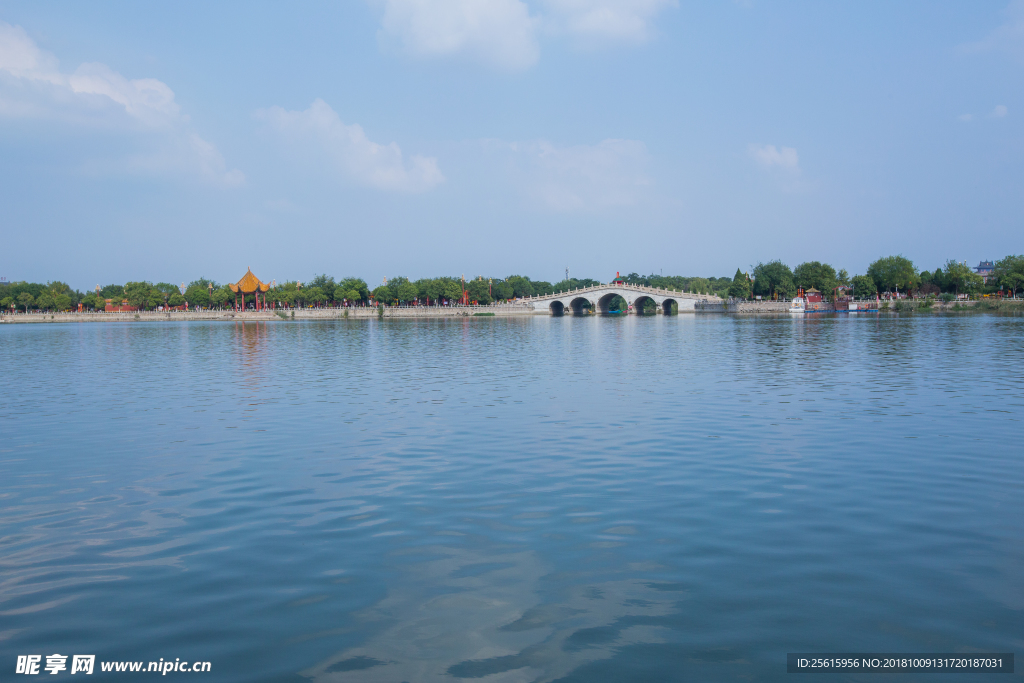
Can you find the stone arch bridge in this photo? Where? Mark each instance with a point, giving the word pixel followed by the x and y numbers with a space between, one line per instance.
pixel 598 297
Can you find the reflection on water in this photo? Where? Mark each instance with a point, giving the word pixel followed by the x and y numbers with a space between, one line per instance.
pixel 469 615
pixel 596 499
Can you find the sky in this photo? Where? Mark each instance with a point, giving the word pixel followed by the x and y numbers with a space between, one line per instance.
pixel 376 138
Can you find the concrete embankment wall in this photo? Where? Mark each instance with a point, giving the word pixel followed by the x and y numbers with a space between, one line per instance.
pixel 783 306
pixel 299 314
pixel 398 312
pixel 759 307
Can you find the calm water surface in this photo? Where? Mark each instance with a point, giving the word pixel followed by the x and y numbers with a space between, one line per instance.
pixel 553 499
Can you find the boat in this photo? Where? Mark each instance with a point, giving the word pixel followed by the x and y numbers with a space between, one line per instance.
pixel 798 305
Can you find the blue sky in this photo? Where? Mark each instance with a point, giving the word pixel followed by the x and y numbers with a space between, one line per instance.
pixel 425 137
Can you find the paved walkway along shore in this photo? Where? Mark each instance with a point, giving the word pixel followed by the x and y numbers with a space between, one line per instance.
pixel 501 310
pixel 279 314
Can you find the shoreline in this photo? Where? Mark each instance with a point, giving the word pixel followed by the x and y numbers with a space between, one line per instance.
pixel 278 315
pixel 367 313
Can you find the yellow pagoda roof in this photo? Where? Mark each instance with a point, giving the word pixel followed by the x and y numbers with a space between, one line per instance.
pixel 249 284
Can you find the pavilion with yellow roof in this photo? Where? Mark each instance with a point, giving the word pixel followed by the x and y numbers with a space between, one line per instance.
pixel 250 284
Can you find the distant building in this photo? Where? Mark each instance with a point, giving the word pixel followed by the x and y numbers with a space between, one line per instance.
pixel 984 269
pixel 122 307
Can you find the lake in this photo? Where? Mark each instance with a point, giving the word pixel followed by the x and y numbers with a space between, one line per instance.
pixel 506 499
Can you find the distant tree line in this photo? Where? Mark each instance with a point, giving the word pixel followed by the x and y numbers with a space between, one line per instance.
pixel 891 274
pixel 321 290
pixel 770 280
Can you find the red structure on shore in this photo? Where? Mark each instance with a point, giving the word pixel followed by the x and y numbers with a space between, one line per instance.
pixel 250 284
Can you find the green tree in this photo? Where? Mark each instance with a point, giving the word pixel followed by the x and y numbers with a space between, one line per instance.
pixel 938 279
pixel 521 286
pixel 62 301
pixel 478 291
pixel 6 302
pixel 166 288
pixel 961 278
pixel 445 289
pixel 502 290
pixel 44 301
pixel 700 285
pixel 773 279
pixel 314 295
pixel 343 295
pixel 1009 272
pixel 353 290
pixel 451 289
pixel 113 292
pixel 142 295
pixel 383 294
pixel 92 301
pixel 198 292
pixel 638 279
pixel 162 292
pixel 542 287
pixel 928 288
pixel 740 286
pixel 843 278
pixel 326 284
pixel 284 294
pixel 25 299
pixel 401 290
pixel 424 287
pixel 574 283
pixel 820 276
pixel 864 287
pixel 222 296
pixel 894 272
pixel 55 296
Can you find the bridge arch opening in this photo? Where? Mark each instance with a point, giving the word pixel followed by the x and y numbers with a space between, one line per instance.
pixel 557 308
pixel 670 307
pixel 580 306
pixel 612 304
pixel 645 305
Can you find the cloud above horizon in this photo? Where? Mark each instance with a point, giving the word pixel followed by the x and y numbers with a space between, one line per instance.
pixel 318 133
pixel 770 156
pixel 1008 37
pixel 578 178
pixel 597 22
pixel 499 33
pixel 505 33
pixel 94 95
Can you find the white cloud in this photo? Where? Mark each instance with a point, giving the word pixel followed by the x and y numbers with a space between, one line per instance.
pixel 180 154
pixel 1008 38
pixel 32 86
pixel 578 178
pixel 1000 111
pixel 770 156
pixel 346 148
pixel 21 57
pixel 626 21
pixel 496 32
pixel 504 33
pixel 148 100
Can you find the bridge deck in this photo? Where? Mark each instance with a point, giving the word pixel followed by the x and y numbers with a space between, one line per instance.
pixel 640 289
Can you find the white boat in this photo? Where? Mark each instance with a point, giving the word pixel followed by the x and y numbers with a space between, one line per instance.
pixel 799 305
